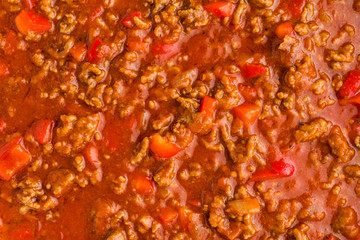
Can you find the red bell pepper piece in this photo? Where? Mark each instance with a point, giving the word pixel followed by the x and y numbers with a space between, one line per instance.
pixel 42 130
pixel 142 184
pixel 166 50
pixel 95 14
pixel 167 215
pixel 22 232
pixel 30 21
pixel 295 7
pixel 250 70
pixel 247 112
pixel 352 100
pixel 184 213
pixel 351 85
pixel 129 20
pixel 278 169
pixel 4 68
pixel 249 93
pixel 208 106
pixel 91 155
pixel 97 51
pixel 161 147
pixel 284 29
pixel 78 52
pixel 221 9
pixel 10 43
pixel 13 156
pixel 2 125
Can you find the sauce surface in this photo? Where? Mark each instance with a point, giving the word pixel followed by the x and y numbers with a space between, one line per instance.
pixel 179 119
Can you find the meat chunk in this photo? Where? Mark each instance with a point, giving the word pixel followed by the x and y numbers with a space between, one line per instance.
pixel 75 132
pixel 352 171
pixel 310 131
pixel 101 214
pixel 339 145
pixel 118 234
pixel 345 222
pixel 166 174
pixel 184 79
pixel 60 181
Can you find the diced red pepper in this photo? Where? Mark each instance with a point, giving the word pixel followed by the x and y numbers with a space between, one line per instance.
pixel 94 15
pixel 351 85
pixel 222 9
pixel 31 3
pixel 352 100
pixel 163 148
pixel 97 51
pixel 250 70
pixel 2 125
pixel 30 21
pixel 195 203
pixel 42 130
pixel 208 106
pixel 78 52
pixel 283 168
pixel 249 93
pixel 167 215
pixel 91 154
pixel 247 112
pixel 22 232
pixel 129 20
pixel 137 45
pixel 184 217
pixel 4 68
pixel 278 169
pixel 295 7
pixel 142 184
pixel 166 50
pixel 10 43
pixel 284 29
pixel 13 156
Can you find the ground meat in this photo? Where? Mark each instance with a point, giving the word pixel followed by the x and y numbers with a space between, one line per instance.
pixel 345 222
pixel 298 232
pixel 142 152
pixel 339 145
pixel 91 74
pixel 352 171
pixel 297 75
pixel 262 3
pixel 284 216
pixel 194 17
pixel 183 135
pixel 165 176
pixel 184 79
pixel 337 58
pixel 163 121
pixel 312 130
pixel 356 5
pixel 60 181
pixel 101 214
pixel 30 192
pixel 66 43
pixel 227 94
pixel 117 234
pixel 244 149
pixel 75 132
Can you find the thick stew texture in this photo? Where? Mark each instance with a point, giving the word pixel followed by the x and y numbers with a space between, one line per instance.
pixel 179 119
